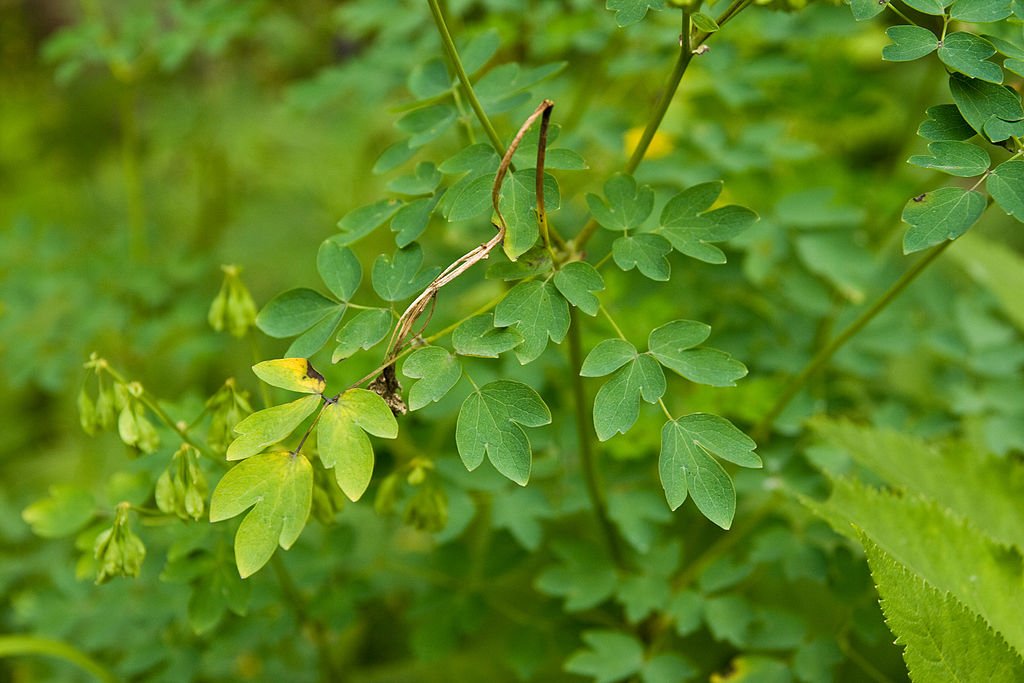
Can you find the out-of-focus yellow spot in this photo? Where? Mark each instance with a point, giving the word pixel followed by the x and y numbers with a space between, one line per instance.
pixel 661 144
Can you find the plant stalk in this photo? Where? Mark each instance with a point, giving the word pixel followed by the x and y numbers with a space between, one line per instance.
pixel 16 645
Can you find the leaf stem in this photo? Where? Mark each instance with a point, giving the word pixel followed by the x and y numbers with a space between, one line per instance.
pixel 595 490
pixel 460 72
pixel 15 645
pixel 611 321
pixel 822 357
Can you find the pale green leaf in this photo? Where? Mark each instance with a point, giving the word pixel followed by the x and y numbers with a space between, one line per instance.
pixel 267 427
pixel 704 23
pixel 279 489
pixel 629 12
pixel 538 312
pixel 293 374
pixel 437 370
pixel 342 442
pixel 940 215
pixel 576 281
pixel 489 424
pixel 64 511
pixel 364 220
pixel 339 268
pixel 364 331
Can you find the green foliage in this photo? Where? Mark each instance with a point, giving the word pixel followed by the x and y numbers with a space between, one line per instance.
pixel 573 555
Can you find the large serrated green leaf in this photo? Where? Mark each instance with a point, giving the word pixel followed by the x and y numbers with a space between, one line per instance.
pixel 269 426
pixel 941 215
pixel 279 489
pixel 539 312
pixel 489 424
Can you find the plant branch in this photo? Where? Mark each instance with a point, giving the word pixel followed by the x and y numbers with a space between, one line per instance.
pixel 13 646
pixel 460 72
pixel 595 490
pixel 822 357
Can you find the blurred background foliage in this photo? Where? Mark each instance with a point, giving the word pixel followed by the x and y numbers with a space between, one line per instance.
pixel 144 144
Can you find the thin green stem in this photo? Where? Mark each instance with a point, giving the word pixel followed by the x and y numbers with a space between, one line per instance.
pixel 664 409
pixel 611 321
pixel 900 14
pixel 460 72
pixel 595 489
pixel 14 646
pixel 822 357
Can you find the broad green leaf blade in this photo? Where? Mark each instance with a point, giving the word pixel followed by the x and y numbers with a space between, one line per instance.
pixel 364 220
pixel 584 577
pixel 479 158
pixel 943 640
pixel 607 357
pixel 617 404
pixel 294 312
pixel 934 7
pixel 412 219
pixel 538 312
pixel 63 512
pixel 364 331
pixel 279 489
pixel 936 545
pixel 489 423
pixel 968 54
pixel 345 447
pixel 645 252
pixel 675 337
pixel 719 437
pixel 339 268
pixel 942 215
pixel 267 427
pixel 479 337
pixel 612 656
pixel 703 366
pixel 980 11
pixel 944 122
pixel 909 43
pixel 981 102
pixel 704 23
pixel 469 198
pixel 518 204
pixel 866 9
pixel 1006 185
pixel 629 12
pixel 626 206
pixel 955 158
pixel 313 339
pixel 691 228
pixel 399 277
pixel 576 281
pixel 370 412
pixel 691 202
pixel 293 374
pixel 422 181
pixel 427 123
pixel 687 468
pixel 437 370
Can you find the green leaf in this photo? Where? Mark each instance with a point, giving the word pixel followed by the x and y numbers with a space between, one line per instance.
pixel 489 423
pixel 469 198
pixel 518 204
pixel 1006 185
pixel 339 268
pixel 478 158
pixel 313 339
pixel 968 54
pixel 393 156
pixel 942 215
pixel 423 180
pixel 691 228
pixel 943 640
pixel 576 281
pixel 983 104
pixel 944 122
pixel 293 374
pixel 342 441
pixel 998 268
pixel 429 79
pixel 294 312
pixel 479 337
pixel 612 655
pixel 66 510
pixel 480 49
pixel 399 277
pixel 563 159
pixel 646 253
pixel 629 12
pixel 267 427
pixel 617 404
pixel 584 577
pixel 640 515
pixel 955 158
pixel 364 331
pixel 426 124
pixel 279 489
pixel 668 668
pixel 909 43
pixel 980 11
pixel 412 219
pixel 607 357
pixel 437 370
pixel 933 7
pixel 866 9
pixel 704 23
pixel 686 466
pixel 671 345
pixel 538 312
pixel 361 222
pixel 520 512
pixel 626 206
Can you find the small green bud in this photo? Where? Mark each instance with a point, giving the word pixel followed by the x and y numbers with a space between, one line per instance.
pixel 87 416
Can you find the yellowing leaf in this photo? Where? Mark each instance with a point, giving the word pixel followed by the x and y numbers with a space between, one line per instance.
pixel 293 374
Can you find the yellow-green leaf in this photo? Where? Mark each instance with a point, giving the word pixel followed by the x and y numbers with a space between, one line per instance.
pixel 293 374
